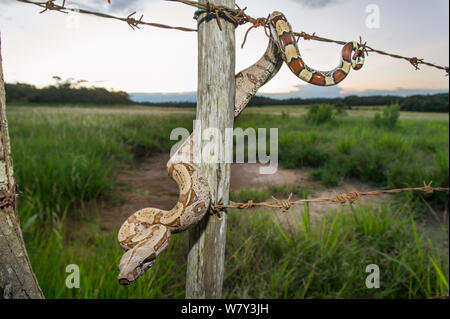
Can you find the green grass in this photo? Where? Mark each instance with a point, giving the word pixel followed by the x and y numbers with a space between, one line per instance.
pixel 61 141
pixel 259 195
pixel 97 255
pixel 412 152
pixel 322 259
pixel 328 259
pixel 356 111
pixel 66 157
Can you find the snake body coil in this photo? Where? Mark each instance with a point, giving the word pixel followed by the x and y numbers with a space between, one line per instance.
pixel 291 55
pixel 146 233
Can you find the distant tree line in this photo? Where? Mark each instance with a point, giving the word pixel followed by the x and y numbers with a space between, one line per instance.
pixel 72 92
pixel 63 92
pixel 417 103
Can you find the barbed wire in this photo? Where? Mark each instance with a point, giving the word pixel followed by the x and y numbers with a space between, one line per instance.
pixel 413 60
pixel 237 16
pixel 341 198
pixel 130 20
pixel 240 17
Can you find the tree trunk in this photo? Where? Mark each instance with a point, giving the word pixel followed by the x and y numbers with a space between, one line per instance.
pixel 215 109
pixel 17 280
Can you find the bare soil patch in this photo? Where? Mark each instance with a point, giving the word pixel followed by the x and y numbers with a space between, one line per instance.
pixel 148 185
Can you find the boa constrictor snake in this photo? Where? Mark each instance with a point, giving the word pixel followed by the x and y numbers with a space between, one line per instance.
pixel 146 233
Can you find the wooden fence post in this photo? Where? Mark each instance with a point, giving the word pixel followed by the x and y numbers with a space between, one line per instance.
pixel 215 109
pixel 17 280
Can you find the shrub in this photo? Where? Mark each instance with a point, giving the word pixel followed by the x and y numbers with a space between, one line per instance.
pixel 320 113
pixel 340 110
pixel 389 118
pixel 285 115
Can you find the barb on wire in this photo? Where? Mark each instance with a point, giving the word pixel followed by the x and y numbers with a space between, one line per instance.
pixel 413 60
pixel 7 198
pixel 50 5
pixel 341 198
pixel 237 16
pixel 241 18
pixel 132 22
pixel 259 22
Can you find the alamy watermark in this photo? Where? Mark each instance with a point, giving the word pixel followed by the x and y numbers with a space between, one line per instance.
pixel 373 279
pixel 373 16
pixel 73 17
pixel 218 147
pixel 73 279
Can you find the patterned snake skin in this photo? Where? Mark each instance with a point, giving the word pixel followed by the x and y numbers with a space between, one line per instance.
pixel 146 233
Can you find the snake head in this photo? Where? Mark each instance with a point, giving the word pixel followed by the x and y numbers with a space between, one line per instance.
pixel 133 265
pixel 141 257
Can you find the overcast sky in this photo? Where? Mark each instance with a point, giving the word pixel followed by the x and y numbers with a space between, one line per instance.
pixel 109 53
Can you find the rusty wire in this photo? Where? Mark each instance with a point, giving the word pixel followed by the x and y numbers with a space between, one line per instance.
pixel 50 5
pixel 243 18
pixel 7 198
pixel 237 16
pixel 341 198
pixel 413 60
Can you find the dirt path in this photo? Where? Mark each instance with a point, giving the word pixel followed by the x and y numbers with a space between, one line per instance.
pixel 148 185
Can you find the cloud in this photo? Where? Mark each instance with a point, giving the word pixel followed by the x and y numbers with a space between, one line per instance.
pixel 316 3
pixel 115 6
pixel 123 4
pixel 9 3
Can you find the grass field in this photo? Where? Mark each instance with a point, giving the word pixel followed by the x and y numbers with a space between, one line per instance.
pixel 64 157
pixel 357 111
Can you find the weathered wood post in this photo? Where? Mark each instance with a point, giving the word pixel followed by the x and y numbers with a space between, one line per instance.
pixel 17 279
pixel 215 105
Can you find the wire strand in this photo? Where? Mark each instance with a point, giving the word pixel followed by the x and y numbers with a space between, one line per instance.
pixel 341 198
pixel 130 20
pixel 237 16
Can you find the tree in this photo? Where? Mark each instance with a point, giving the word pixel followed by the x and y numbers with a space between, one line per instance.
pixel 17 279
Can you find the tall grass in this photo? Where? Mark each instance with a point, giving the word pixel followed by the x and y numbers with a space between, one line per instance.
pixel 408 154
pixel 322 258
pixel 328 258
pixel 97 255
pixel 65 157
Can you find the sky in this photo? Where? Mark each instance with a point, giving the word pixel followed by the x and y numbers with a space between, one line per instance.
pixel 108 53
